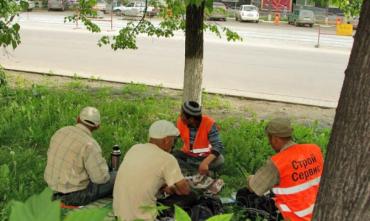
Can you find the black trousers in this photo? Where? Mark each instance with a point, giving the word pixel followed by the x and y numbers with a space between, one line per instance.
pixel 254 205
pixel 189 165
pixel 186 202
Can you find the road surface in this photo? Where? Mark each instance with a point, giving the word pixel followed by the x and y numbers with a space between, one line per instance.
pixel 274 63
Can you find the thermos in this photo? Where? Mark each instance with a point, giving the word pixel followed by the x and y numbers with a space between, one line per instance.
pixel 115 157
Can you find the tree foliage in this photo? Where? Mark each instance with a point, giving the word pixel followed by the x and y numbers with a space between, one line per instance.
pixel 9 30
pixel 172 13
pixel 349 7
pixel 84 10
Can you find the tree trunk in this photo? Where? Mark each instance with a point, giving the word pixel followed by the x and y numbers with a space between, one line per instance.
pixel 193 53
pixel 345 186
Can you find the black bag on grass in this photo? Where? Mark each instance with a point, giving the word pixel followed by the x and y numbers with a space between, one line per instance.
pixel 200 213
pixel 207 207
pixel 254 206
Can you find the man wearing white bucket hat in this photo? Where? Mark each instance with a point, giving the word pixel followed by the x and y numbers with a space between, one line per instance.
pixel 145 170
pixel 76 170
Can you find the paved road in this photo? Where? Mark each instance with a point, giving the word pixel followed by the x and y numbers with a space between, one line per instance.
pixel 265 32
pixel 257 68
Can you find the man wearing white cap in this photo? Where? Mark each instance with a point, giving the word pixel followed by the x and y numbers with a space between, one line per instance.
pixel 145 169
pixel 75 169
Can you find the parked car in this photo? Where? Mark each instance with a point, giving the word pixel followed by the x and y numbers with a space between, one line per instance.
pixel 57 5
pixel 31 4
pixel 219 12
pixel 101 5
pixel 72 4
pixel 301 17
pixel 134 9
pixel 247 13
pixel 110 5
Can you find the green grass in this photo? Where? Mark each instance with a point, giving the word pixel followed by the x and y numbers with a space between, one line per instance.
pixel 31 114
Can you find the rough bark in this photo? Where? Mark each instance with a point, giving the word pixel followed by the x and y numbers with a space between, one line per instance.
pixel 193 53
pixel 345 186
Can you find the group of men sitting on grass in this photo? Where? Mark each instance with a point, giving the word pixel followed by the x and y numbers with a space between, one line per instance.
pixel 78 174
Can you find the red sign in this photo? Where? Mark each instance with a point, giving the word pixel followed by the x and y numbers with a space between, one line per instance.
pixel 277 5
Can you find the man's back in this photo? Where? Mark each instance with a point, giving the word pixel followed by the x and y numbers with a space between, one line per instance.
pixel 144 170
pixel 71 148
pixel 300 167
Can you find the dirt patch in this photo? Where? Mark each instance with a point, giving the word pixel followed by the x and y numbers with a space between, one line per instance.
pixel 223 106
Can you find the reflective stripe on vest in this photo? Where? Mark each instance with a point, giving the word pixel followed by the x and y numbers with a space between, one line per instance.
pixel 298 188
pixel 301 213
pixel 201 145
pixel 201 150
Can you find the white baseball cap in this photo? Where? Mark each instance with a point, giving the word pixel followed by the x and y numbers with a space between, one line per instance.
pixel 90 116
pixel 162 128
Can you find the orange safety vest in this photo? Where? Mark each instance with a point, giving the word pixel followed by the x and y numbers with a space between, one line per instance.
pixel 201 146
pixel 300 167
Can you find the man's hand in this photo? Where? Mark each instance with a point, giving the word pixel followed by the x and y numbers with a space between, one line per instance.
pixel 204 165
pixel 168 189
pixel 203 168
pixel 182 187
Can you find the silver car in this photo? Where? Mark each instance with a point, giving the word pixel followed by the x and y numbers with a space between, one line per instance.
pixel 57 5
pixel 301 17
pixel 219 12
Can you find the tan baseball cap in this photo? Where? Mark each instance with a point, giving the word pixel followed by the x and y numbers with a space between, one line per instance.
pixel 90 116
pixel 162 128
pixel 280 127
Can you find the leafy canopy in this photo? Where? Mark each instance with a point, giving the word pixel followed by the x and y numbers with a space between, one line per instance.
pixel 172 13
pixel 9 30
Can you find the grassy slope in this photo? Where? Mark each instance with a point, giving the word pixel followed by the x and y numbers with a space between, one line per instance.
pixel 30 115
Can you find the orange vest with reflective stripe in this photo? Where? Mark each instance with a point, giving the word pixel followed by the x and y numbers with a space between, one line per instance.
pixel 300 167
pixel 201 145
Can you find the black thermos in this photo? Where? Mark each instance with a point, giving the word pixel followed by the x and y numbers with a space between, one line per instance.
pixel 115 157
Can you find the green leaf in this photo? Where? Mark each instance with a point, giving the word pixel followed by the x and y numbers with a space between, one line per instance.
pixel 95 214
pixel 36 208
pixel 4 169
pixel 222 217
pixel 16 27
pixel 181 215
pixel 209 5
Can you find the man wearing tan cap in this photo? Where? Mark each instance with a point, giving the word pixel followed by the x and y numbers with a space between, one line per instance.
pixel 75 169
pixel 145 169
pixel 293 174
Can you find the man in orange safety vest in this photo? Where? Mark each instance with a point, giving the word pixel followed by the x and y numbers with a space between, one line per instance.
pixel 202 148
pixel 293 174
